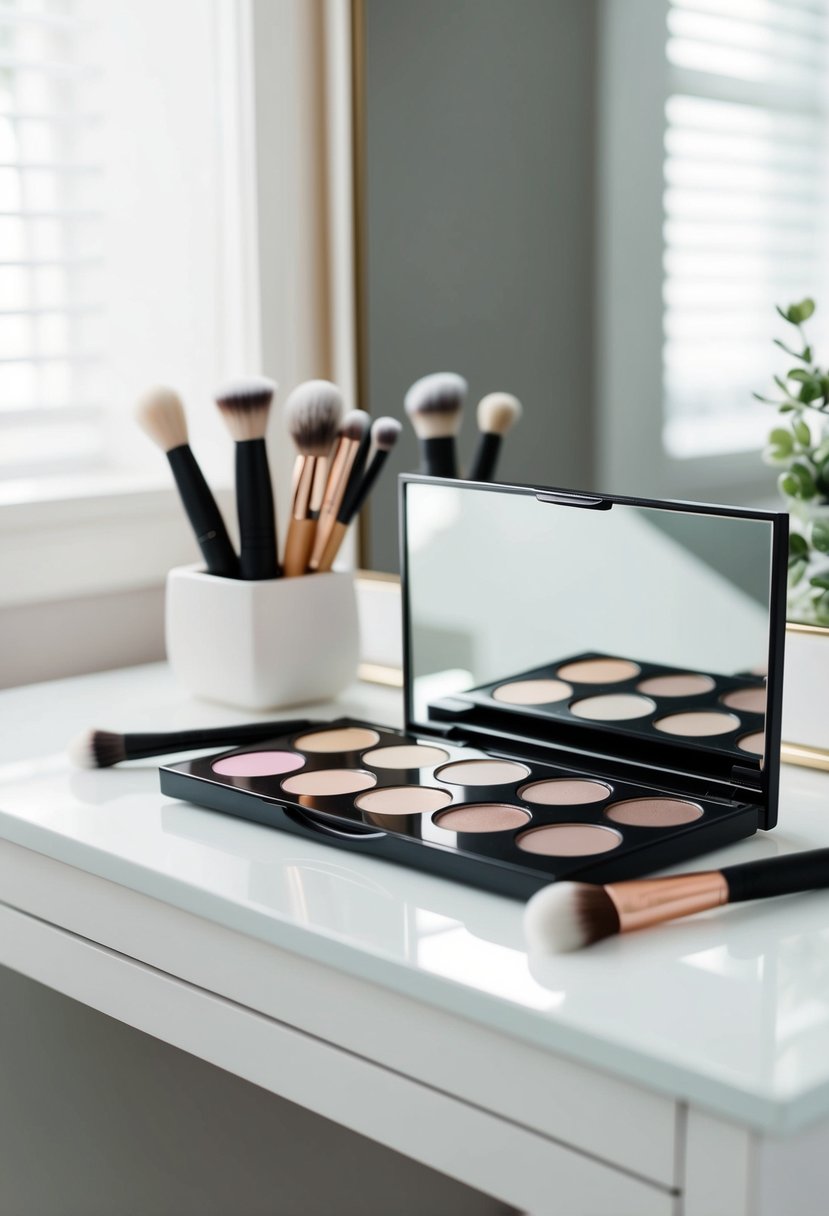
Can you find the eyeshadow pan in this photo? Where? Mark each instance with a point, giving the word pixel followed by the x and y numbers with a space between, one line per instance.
pixel 532 692
pixel 682 684
pixel 564 791
pixel 397 800
pixel 569 840
pixel 752 700
pixel 340 739
pixel 698 723
pixel 407 755
pixel 258 764
pixel 482 817
pixel 755 743
pixel 329 781
pixel 599 671
pixel 653 812
pixel 613 707
pixel 482 772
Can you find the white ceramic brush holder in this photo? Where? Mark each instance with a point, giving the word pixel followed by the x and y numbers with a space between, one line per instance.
pixel 262 645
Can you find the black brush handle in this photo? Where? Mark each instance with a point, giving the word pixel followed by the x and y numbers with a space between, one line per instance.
pixel 486 456
pixel 437 456
pixel 203 513
pixel 778 875
pixel 160 743
pixel 257 516
pixel 354 500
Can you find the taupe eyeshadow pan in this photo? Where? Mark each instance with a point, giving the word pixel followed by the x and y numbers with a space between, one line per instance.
pixel 569 840
pixel 653 812
pixel 564 791
pixel 482 817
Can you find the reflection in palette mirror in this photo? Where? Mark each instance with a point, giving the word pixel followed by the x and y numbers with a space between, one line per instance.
pixel 630 617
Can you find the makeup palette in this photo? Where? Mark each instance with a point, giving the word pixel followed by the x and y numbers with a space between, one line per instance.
pixel 652 738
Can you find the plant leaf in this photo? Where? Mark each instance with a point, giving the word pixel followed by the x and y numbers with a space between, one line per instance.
pixel 796 571
pixel 820 580
pixel 802 432
pixel 798 545
pixel 820 535
pixel 798 373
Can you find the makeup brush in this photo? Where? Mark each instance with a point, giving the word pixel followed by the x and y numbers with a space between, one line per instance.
pixel 352 430
pixel 497 415
pixel 434 405
pixel 160 414
pixel 103 748
pixel 569 915
pixel 245 405
pixel 313 411
pixel 384 435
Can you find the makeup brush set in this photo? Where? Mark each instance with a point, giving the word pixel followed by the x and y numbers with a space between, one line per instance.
pixel 339 458
pixel 434 405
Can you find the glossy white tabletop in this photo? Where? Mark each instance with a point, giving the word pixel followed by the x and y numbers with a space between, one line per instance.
pixel 729 1010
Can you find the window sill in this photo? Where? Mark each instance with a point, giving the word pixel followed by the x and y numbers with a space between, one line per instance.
pixel 92 536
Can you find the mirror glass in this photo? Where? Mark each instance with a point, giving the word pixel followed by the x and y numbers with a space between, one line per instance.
pixel 634 618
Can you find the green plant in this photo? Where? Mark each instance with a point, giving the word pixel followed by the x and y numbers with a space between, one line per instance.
pixel 799 447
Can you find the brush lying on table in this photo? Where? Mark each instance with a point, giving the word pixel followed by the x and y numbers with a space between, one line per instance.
pixel 103 748
pixel 569 915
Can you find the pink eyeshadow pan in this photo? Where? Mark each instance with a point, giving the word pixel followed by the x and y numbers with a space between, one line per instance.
pixel 258 764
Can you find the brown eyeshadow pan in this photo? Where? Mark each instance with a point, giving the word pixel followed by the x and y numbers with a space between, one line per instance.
pixel 565 791
pixel 482 817
pixel 569 840
pixel 653 812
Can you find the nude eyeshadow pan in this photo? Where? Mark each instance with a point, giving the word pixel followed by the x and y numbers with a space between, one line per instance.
pixel 412 755
pixel 569 840
pixel 329 782
pixel 340 739
pixel 564 791
pixel 397 800
pixel 483 772
pixel 613 707
pixel 698 723
pixel 482 817
pixel 653 812
pixel 599 671
pixel 753 700
pixel 683 684
pixel 532 692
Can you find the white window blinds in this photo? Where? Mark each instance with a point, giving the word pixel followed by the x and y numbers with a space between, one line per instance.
pixel 51 240
pixel 745 205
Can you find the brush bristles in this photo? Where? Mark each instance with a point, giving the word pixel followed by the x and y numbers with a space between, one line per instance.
pixel 434 404
pixel 354 425
pixel 313 412
pixel 385 433
pixel 160 414
pixel 498 413
pixel 245 405
pixel 567 916
pixel 97 749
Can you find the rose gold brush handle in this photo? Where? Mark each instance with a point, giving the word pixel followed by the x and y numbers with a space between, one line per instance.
pixel 332 498
pixel 650 901
pixel 332 546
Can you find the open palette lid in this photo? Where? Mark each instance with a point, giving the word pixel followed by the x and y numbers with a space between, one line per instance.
pixel 643 634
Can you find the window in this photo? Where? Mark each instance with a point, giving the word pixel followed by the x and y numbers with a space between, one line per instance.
pixel 746 205
pixel 50 240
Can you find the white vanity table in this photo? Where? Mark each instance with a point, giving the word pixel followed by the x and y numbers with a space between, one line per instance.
pixel 683 1072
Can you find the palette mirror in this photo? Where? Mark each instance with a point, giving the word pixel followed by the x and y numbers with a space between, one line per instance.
pixel 610 625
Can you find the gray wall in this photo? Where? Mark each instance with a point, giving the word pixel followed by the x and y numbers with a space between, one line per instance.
pixel 479 223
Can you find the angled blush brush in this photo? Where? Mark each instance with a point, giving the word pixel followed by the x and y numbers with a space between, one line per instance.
pixel 313 412
pixel 569 915
pixel 103 748
pixel 352 430
pixel 434 404
pixel 497 415
pixel 160 414
pixel 384 435
pixel 245 405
